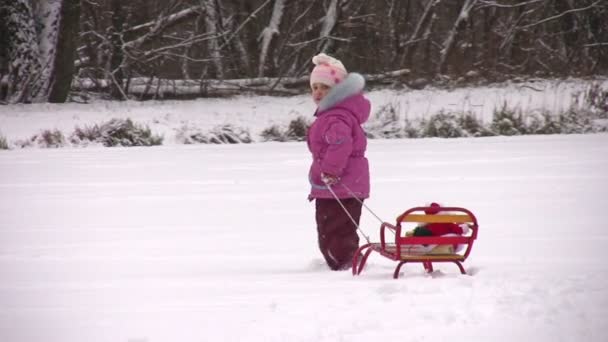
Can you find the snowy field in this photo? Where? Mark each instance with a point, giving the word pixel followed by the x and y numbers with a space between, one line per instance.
pixel 218 243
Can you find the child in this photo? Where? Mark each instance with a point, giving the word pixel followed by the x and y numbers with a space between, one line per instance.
pixel 337 144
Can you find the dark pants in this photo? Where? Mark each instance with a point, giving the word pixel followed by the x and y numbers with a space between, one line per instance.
pixel 338 239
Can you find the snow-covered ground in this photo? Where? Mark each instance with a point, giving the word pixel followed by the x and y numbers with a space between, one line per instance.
pixel 217 243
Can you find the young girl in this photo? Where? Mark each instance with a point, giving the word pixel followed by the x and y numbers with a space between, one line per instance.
pixel 339 168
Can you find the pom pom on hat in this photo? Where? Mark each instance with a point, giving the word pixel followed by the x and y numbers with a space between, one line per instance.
pixel 328 70
pixel 433 209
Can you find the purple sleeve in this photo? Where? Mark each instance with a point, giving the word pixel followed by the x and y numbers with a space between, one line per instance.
pixel 338 137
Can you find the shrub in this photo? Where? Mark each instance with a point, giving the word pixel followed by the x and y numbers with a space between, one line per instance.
pixel 273 133
pixel 443 125
pixel 225 134
pixel 507 121
pixel 297 130
pixel 45 139
pixel 190 135
pixel 385 123
pixel 86 135
pixel 120 132
pixel 3 143
pixel 116 132
pixel 228 134
pixel 51 139
pixel 573 121
pixel 412 129
pixel 595 98
pixel 473 126
pixel 542 123
pixel 446 125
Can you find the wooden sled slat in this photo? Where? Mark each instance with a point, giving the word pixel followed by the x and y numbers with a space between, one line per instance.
pixel 420 218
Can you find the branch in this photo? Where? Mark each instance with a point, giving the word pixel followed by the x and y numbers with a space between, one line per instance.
pixel 250 17
pixel 161 24
pixel 346 40
pixel 185 42
pixel 217 87
pixel 562 14
pixel 386 76
pixel 493 3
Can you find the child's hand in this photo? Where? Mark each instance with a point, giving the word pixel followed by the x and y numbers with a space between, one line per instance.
pixel 329 179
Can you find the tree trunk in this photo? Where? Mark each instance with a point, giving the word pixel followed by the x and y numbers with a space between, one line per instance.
pixel 23 54
pixel 63 70
pixel 47 18
pixel 269 32
pixel 449 42
pixel 425 21
pixel 489 45
pixel 211 25
pixel 399 13
pixel 116 73
pixel 329 22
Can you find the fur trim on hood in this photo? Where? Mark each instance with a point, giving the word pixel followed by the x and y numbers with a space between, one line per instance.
pixel 352 84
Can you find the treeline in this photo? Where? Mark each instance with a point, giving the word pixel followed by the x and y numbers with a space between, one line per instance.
pixel 152 48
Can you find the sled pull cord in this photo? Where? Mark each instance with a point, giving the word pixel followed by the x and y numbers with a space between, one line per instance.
pixel 360 201
pixel 347 213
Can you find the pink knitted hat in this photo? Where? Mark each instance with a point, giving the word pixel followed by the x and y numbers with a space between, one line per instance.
pixel 327 70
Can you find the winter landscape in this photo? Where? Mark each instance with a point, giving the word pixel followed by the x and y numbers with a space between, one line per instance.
pixel 153 169
pixel 207 242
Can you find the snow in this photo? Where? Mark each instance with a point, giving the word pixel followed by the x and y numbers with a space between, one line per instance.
pixel 218 242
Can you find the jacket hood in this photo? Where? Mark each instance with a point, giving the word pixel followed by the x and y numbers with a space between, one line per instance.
pixel 348 95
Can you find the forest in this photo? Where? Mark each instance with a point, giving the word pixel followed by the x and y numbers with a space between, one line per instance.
pixel 62 50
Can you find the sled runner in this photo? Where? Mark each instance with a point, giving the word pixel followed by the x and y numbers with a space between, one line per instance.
pixel 422 249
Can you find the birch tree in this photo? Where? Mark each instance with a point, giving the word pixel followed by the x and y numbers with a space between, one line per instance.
pixel 329 23
pixel 211 24
pixel 421 26
pixel 448 44
pixel 47 16
pixel 268 32
pixel 116 68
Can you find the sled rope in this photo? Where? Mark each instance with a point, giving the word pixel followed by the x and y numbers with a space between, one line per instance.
pixel 360 201
pixel 347 213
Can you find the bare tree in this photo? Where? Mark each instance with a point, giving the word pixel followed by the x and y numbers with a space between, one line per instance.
pixel 148 47
pixel 117 59
pixel 268 32
pixel 450 40
pixel 329 23
pixel 422 26
pixel 212 18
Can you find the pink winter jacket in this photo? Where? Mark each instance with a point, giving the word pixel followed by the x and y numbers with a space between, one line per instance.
pixel 337 141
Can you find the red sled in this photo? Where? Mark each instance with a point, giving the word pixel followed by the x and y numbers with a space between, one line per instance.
pixel 422 249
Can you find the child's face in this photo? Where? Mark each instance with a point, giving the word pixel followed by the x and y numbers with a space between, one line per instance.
pixel 319 90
